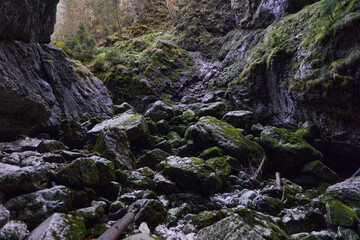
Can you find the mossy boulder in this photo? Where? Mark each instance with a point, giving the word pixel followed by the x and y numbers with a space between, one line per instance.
pixel 113 144
pixel 35 207
pixel 209 131
pixel 245 224
pixel 150 211
pixel 191 174
pixel 211 153
pixel 140 179
pixel 90 215
pixel 207 218
pixel 347 192
pixel 221 167
pixel 240 119
pixel 175 139
pixel 90 172
pixel 285 150
pixel 320 170
pixel 268 205
pixel 59 226
pixel 296 220
pixel 338 214
pixel 134 126
pixel 151 158
pixel 217 109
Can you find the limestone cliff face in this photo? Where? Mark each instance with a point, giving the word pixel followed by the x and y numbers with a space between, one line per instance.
pixel 38 85
pixel 288 61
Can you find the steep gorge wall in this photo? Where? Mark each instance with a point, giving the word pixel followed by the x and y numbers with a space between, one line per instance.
pixel 287 61
pixel 38 85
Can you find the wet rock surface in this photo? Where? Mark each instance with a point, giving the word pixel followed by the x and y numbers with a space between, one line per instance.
pixel 209 165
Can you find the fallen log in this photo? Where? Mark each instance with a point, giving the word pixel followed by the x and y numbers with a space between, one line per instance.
pixel 115 231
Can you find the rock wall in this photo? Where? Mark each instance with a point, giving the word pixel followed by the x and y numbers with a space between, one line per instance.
pixel 38 85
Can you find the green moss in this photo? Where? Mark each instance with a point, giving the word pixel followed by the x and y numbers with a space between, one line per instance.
pixel 207 218
pixel 222 168
pixel 308 32
pixel 340 214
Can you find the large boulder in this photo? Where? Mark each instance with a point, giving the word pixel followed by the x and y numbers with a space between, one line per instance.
pixel 91 172
pixel 148 210
pixel 114 145
pixel 210 131
pixel 35 207
pixel 160 111
pixel 16 181
pixel 59 226
pixel 39 86
pixel 191 174
pixel 133 124
pixel 246 224
pixel 287 151
pixel 347 191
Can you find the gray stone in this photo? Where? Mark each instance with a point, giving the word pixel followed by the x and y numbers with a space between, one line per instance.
pixel 191 174
pixel 133 124
pixel 296 221
pixel 114 145
pixel 124 107
pixel 209 131
pixel 151 158
pixel 91 172
pixel 50 146
pixel 16 181
pixel 35 207
pixel 143 236
pixel 4 215
pixel 33 23
pixel 59 226
pixel 150 211
pixel 28 144
pixel 38 102
pixel 247 224
pixel 240 119
pixel 347 191
pixel 73 134
pixel 14 230
pixel 287 151
pixel 160 111
pixel 268 205
pixel 217 109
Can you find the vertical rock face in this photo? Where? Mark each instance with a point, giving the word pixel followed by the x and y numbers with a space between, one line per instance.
pixel 38 85
pixel 27 20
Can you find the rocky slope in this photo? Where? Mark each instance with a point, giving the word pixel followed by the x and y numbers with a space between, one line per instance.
pixel 39 87
pixel 196 163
